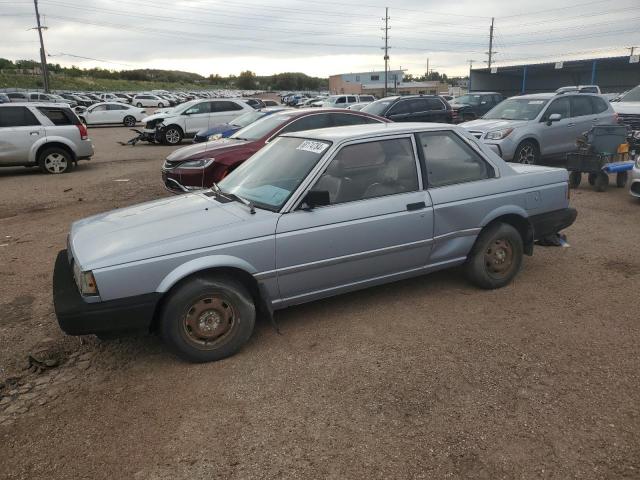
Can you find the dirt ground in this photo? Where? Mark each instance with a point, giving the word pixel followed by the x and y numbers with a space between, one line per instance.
pixel 425 378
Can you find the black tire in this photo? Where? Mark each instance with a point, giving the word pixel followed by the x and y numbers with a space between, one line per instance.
pixel 496 257
pixel 592 179
pixel 574 179
pixel 211 334
pixel 602 182
pixel 160 105
pixel 129 121
pixel 55 160
pixel 527 153
pixel 172 135
pixel 621 179
pixel 139 105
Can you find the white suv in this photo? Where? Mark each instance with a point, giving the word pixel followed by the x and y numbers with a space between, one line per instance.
pixel 42 134
pixel 185 120
pixel 148 100
pixel 344 101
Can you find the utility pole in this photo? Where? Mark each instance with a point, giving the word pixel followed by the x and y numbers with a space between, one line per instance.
pixel 491 52
pixel 386 48
pixel 470 68
pixel 631 49
pixel 427 69
pixel 43 55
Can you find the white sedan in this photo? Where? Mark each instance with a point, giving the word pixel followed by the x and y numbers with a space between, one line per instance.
pixel 112 113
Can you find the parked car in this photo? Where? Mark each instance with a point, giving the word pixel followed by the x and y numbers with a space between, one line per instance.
pixel 60 99
pixel 256 103
pixel 315 214
pixel 194 167
pixel 474 105
pixel 412 108
pixel 580 89
pixel 42 134
pixel 225 130
pixel 628 108
pixel 39 97
pixel 18 96
pixel 527 128
pixel 271 103
pixel 189 118
pixel 114 113
pixel 358 106
pixel 148 100
pixel 76 99
pixel 634 186
pixel 339 101
pixel 4 98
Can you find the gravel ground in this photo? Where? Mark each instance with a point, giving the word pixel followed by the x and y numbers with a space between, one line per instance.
pixel 425 378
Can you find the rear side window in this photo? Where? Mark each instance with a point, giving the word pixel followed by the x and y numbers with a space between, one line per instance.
pixel 310 122
pixel 580 106
pixel 366 98
pixel 17 95
pixel 449 161
pixel 59 116
pixel 117 107
pixel 351 99
pixel 225 106
pixel 17 117
pixel 599 105
pixel 342 119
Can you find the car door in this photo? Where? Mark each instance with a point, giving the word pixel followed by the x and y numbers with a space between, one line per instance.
pixel 224 111
pixel 461 183
pixel 115 113
pixel 196 117
pixel 400 111
pixel 582 116
pixel 19 130
pixel 419 110
pixel 557 137
pixel 97 115
pixel 378 225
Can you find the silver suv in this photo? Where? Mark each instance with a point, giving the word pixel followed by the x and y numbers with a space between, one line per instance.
pixel 42 134
pixel 523 129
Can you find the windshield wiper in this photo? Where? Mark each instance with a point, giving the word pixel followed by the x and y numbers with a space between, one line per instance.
pixel 233 196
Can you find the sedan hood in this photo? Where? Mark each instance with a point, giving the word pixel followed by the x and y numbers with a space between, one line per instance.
pixel 151 229
pixel 205 150
pixel 626 107
pixel 155 116
pixel 487 125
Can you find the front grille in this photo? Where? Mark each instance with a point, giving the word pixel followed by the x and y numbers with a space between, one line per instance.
pixel 630 119
pixel 151 125
pixel 478 135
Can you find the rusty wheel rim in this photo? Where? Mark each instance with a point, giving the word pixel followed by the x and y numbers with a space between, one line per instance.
pixel 498 258
pixel 209 320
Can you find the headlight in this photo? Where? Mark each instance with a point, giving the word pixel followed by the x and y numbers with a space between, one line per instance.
pixel 499 134
pixel 215 136
pixel 197 164
pixel 85 281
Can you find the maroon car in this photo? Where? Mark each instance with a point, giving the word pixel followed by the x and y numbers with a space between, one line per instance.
pixel 200 165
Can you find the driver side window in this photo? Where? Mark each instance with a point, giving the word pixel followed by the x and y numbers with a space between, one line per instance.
pixel 203 107
pixel 561 106
pixel 370 170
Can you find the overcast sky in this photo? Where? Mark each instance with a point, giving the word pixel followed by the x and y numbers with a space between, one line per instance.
pixel 316 37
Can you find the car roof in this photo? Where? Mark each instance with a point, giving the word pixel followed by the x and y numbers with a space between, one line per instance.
pixel 338 134
pixel 36 104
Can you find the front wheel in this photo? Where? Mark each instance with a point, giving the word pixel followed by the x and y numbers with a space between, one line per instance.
pixel 208 318
pixel 496 257
pixel 527 153
pixel 129 121
pixel 172 135
pixel 574 179
pixel 139 105
pixel 160 105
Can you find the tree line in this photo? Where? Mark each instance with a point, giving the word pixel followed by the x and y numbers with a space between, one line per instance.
pixel 246 80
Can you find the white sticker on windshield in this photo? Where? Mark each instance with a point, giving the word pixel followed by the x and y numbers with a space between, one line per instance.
pixel 313 147
pixel 536 102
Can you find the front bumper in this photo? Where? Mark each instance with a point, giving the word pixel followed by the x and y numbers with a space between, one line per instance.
pixel 634 186
pixel 77 317
pixel 548 223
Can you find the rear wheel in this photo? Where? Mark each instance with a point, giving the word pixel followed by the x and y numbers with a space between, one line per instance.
pixel 129 121
pixel 139 105
pixel 621 179
pixel 208 318
pixel 527 153
pixel 496 256
pixel 602 181
pixel 574 179
pixel 55 160
pixel 160 105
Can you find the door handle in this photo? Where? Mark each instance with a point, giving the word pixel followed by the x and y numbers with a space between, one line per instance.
pixel 416 206
pixel 34 133
pixel 571 124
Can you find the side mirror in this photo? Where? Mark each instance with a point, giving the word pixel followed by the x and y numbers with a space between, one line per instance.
pixel 316 198
pixel 554 117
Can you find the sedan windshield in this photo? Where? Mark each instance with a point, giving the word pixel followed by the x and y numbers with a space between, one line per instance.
pixel 378 107
pixel 517 109
pixel 632 95
pixel 247 118
pixel 259 129
pixel 269 177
